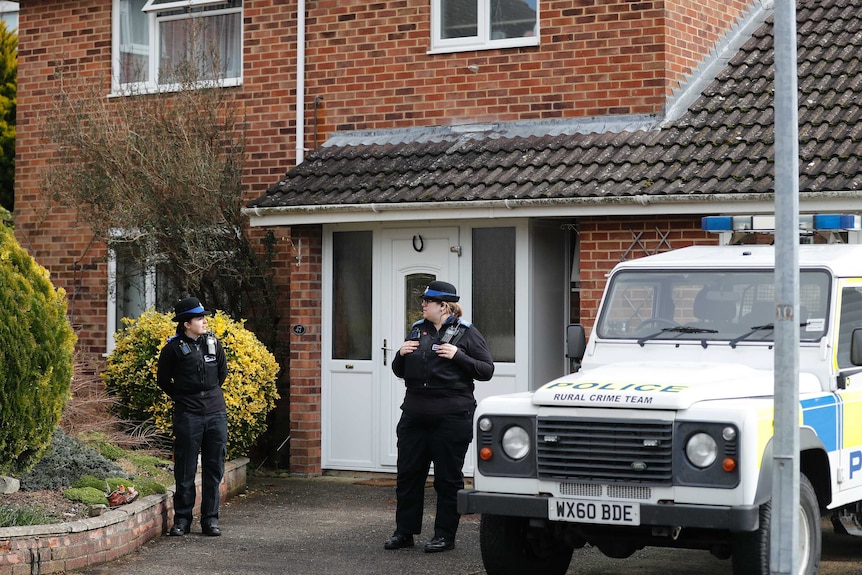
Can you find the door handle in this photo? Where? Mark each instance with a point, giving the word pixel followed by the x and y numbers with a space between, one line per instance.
pixel 385 350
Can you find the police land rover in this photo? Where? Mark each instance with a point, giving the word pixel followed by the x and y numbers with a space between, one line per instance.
pixel 664 436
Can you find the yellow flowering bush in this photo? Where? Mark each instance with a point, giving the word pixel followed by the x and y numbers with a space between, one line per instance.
pixel 36 356
pixel 249 390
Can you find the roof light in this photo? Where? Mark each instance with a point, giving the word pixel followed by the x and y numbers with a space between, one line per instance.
pixel 766 223
pixel 837 222
pixel 716 224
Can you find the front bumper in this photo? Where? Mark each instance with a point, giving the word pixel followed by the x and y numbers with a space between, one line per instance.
pixel 736 519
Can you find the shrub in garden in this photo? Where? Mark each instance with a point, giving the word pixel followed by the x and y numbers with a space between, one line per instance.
pixel 89 495
pixel 250 389
pixel 87 488
pixel 36 356
pixel 66 461
pixel 91 481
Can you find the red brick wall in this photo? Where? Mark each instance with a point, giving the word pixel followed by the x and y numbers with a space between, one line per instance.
pixel 305 350
pixel 370 62
pixel 606 241
pixel 71 33
pixel 77 34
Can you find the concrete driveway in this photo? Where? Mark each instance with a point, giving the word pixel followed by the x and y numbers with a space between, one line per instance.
pixel 337 526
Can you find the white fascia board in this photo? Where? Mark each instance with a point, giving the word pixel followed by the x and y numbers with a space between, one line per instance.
pixel 728 204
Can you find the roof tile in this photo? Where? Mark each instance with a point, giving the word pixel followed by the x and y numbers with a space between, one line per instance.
pixel 723 144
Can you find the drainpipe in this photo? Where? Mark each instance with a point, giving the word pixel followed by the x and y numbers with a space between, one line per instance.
pixel 300 82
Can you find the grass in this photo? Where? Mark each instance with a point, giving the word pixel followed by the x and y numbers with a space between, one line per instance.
pixel 15 516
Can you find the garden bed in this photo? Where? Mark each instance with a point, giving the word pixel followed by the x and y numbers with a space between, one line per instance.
pixel 80 543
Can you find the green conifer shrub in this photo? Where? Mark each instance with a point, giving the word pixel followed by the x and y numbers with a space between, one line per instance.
pixel 36 357
pixel 250 389
pixel 66 461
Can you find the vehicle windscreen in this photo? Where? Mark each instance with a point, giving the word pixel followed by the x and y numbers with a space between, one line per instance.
pixel 726 305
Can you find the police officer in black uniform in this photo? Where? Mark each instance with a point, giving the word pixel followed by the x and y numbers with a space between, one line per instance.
pixel 439 360
pixel 191 369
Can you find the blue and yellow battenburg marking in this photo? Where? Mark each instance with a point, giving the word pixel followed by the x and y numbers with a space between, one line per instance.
pixel 827 414
pixel 823 414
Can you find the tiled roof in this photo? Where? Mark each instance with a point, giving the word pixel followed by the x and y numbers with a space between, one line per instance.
pixel 723 144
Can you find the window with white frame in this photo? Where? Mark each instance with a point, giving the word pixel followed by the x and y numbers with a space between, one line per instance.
pixel 459 25
pixel 134 288
pixel 152 38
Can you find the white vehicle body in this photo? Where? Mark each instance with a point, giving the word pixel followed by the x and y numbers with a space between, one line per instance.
pixel 664 436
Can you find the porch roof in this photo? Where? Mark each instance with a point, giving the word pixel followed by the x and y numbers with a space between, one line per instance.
pixel 719 149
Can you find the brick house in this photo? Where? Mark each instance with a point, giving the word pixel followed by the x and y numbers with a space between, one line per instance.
pixel 517 148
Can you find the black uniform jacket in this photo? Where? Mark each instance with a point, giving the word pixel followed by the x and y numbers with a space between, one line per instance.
pixel 439 385
pixel 191 376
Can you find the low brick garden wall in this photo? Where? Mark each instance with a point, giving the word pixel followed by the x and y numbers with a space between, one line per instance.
pixel 60 547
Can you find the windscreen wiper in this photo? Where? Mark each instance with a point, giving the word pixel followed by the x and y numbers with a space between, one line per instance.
pixel 757 328
pixel 676 329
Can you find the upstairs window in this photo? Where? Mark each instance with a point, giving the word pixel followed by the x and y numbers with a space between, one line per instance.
pixel 154 38
pixel 459 25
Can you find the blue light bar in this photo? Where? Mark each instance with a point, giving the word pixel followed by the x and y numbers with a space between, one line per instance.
pixel 837 222
pixel 716 223
pixel 766 224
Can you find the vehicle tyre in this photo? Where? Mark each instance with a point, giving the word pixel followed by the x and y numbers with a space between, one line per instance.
pixel 751 550
pixel 508 549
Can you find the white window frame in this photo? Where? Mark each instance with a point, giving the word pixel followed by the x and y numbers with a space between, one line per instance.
pixel 157 5
pixel 153 11
pixel 114 322
pixel 482 40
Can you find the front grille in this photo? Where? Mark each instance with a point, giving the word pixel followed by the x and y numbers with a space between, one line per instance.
pixel 604 450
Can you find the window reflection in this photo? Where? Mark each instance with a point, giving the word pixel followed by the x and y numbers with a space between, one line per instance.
pixel 494 289
pixel 351 295
pixel 512 18
pixel 499 19
pixel 459 18
pixel 414 287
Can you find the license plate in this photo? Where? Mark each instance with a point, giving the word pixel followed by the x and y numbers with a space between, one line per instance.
pixel 587 511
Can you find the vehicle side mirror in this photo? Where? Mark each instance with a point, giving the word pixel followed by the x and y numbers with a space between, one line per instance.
pixel 576 342
pixel 856 346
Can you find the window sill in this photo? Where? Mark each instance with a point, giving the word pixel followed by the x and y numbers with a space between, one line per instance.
pixel 496 45
pixel 147 89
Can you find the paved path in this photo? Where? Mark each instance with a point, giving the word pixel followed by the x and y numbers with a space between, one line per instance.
pixel 335 526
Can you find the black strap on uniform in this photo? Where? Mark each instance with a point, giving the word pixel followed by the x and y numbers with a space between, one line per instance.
pixel 454 333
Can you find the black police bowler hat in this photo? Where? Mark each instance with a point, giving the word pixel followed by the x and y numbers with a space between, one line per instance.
pixel 187 308
pixel 441 291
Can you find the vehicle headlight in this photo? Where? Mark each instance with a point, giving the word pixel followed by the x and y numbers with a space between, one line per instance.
pixel 516 442
pixel 701 450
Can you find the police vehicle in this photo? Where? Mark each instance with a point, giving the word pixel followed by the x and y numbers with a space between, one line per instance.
pixel 664 435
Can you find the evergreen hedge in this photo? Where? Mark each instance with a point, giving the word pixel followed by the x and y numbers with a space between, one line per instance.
pixel 250 389
pixel 36 357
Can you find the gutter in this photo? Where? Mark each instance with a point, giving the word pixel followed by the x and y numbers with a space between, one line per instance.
pixel 742 203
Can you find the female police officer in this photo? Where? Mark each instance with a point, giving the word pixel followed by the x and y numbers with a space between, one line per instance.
pixel 191 369
pixel 439 361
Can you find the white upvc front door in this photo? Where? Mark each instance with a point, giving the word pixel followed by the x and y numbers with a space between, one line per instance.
pixel 361 398
pixel 411 259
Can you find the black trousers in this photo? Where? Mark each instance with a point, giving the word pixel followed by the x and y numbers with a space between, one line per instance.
pixel 207 435
pixel 422 440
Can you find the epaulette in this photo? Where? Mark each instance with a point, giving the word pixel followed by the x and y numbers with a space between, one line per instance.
pixel 415 323
pixel 172 338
